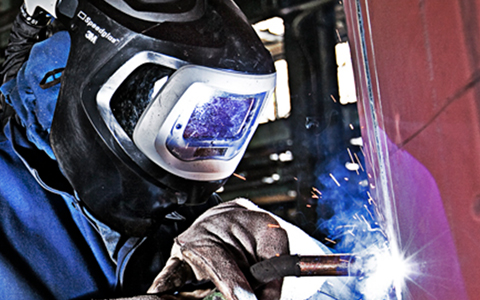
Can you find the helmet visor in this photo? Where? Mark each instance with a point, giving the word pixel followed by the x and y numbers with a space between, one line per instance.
pixel 193 121
pixel 212 124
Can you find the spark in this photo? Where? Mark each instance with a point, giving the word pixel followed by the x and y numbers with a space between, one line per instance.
pixel 273 226
pixel 316 194
pixel 368 158
pixel 316 190
pixel 239 176
pixel 363 183
pixel 351 126
pixel 331 241
pixel 370 199
pixel 333 98
pixel 356 141
pixel 373 229
pixel 358 161
pixel 371 215
pixel 309 205
pixel 352 166
pixel 363 151
pixel 351 158
pixel 334 179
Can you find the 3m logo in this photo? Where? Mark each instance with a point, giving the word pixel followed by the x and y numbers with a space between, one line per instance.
pixel 92 37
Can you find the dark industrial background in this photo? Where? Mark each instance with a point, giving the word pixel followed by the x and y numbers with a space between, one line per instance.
pixel 318 129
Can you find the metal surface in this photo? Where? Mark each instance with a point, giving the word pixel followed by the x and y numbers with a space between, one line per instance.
pixel 417 66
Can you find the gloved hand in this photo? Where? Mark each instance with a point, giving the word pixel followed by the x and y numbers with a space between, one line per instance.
pixel 220 246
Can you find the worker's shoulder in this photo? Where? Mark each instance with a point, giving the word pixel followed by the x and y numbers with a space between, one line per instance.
pixel 13 174
pixel 6 112
pixel 5 143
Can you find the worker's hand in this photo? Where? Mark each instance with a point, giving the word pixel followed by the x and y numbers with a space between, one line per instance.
pixel 220 247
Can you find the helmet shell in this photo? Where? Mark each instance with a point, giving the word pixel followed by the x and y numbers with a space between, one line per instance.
pixel 122 187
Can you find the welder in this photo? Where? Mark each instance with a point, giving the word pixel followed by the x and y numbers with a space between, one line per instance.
pixel 120 119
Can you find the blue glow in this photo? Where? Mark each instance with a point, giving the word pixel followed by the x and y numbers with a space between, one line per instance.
pixel 352 222
pixel 348 216
pixel 221 117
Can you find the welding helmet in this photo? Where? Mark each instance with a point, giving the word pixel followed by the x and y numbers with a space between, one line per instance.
pixel 158 102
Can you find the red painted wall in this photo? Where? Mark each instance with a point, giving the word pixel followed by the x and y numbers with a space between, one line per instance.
pixel 417 71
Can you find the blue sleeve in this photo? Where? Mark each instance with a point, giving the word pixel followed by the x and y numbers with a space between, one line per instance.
pixel 48 250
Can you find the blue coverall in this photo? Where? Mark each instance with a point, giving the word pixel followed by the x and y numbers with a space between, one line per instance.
pixel 49 250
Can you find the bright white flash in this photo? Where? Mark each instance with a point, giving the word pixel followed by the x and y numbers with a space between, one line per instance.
pixel 385 273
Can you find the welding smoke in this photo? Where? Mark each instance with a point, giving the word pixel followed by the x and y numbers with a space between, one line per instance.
pixel 350 219
pixel 347 215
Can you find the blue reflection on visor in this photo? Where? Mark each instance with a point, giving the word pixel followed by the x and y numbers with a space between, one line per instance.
pixel 217 128
pixel 221 117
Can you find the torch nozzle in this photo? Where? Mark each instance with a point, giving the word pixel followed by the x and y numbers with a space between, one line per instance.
pixel 296 265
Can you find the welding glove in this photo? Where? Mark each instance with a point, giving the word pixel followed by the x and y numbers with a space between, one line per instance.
pixel 224 242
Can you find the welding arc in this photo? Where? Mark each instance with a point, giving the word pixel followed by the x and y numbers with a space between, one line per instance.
pixel 296 265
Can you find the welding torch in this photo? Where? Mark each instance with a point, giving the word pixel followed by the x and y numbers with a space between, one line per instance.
pixel 316 265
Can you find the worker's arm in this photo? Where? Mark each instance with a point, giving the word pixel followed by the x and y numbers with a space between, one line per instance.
pixel 223 243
